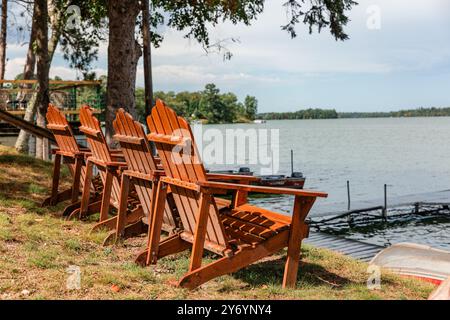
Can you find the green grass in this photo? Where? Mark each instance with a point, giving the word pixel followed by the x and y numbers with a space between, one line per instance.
pixel 37 247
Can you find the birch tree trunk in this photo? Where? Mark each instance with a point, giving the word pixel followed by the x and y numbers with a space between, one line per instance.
pixel 22 141
pixel 44 56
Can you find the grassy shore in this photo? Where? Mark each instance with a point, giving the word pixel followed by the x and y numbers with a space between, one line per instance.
pixel 37 247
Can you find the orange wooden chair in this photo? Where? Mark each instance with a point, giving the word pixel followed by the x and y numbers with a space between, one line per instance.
pixel 110 164
pixel 241 235
pixel 74 157
pixel 142 172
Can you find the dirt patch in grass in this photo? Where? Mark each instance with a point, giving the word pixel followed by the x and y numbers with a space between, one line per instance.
pixel 38 250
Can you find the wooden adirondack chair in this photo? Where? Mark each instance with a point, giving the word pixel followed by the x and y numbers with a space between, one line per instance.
pixel 74 157
pixel 143 173
pixel 110 165
pixel 242 235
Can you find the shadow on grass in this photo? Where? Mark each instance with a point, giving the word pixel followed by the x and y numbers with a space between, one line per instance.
pixel 24 160
pixel 271 272
pixel 19 187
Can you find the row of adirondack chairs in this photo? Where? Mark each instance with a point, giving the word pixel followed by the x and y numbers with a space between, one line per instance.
pixel 172 193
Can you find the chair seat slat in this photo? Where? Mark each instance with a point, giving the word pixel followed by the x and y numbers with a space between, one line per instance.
pixel 168 139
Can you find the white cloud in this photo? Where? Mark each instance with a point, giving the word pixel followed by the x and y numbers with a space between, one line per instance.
pixel 196 75
pixel 14 67
pixel 413 39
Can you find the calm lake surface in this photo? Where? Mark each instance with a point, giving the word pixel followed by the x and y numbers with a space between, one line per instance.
pixel 410 155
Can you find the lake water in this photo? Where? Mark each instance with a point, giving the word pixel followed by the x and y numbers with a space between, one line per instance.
pixel 410 155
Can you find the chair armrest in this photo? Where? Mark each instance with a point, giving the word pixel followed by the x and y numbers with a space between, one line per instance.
pixel 106 164
pixel 68 154
pixel 154 175
pixel 269 190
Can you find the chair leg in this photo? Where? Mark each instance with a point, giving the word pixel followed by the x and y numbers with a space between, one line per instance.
pixel 155 225
pixel 56 174
pixel 130 231
pixel 200 232
pixel 104 211
pixel 59 197
pixel 240 259
pixel 298 231
pixel 92 208
pixel 52 200
pixel 121 220
pixel 72 207
pixel 86 191
pixel 171 245
pixel 76 179
pixel 111 223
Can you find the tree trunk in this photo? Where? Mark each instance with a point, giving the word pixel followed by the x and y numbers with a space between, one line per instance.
pixel 22 141
pixel 146 36
pixel 43 68
pixel 40 100
pixel 148 74
pixel 123 55
pixel 3 34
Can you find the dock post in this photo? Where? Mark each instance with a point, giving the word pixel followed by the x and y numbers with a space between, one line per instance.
pixel 348 195
pixel 292 163
pixel 384 211
pixel 349 217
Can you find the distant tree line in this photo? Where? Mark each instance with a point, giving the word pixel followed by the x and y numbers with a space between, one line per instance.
pixel 209 105
pixel 420 112
pixel 332 114
pixel 301 114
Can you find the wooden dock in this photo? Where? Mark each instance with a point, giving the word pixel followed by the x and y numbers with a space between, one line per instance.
pixel 356 249
pixel 441 198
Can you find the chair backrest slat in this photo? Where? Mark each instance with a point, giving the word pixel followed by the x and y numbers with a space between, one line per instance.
pixel 182 162
pixel 138 155
pixel 182 197
pixel 133 158
pixel 61 129
pixel 90 126
pixel 171 170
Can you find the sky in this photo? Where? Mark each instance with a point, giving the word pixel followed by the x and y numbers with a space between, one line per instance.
pixel 397 57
